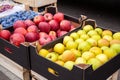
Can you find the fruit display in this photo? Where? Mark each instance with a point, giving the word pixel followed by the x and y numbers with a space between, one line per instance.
pixel 5 7
pixel 9 20
pixel 43 28
pixel 80 47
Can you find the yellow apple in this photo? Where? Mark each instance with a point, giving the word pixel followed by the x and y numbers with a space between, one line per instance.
pixel 84 46
pixel 92 32
pixel 84 37
pixel 96 50
pixel 103 42
pixel 114 41
pixel 68 55
pixel 71 45
pixel 66 39
pixel 52 56
pixel 108 37
pixel 69 65
pixel 80 60
pixel 96 63
pixel 104 47
pixel 99 30
pixel 116 47
pixel 78 41
pixel 81 32
pixel 59 62
pixel 87 55
pixel 92 41
pixel 110 53
pixel 116 35
pixel 43 52
pixel 87 28
pixel 107 32
pixel 76 52
pixel 59 48
pixel 74 35
pixel 96 37
pixel 102 57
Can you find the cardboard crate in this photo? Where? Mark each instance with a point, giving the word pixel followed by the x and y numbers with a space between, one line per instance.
pixel 81 71
pixel 20 54
pixel 36 3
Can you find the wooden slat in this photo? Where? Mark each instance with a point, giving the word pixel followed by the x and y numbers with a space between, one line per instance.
pixel 18 70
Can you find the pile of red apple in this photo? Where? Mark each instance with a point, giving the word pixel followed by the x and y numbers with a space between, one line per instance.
pixel 44 28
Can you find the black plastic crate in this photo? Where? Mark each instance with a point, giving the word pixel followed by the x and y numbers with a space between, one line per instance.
pixel 81 71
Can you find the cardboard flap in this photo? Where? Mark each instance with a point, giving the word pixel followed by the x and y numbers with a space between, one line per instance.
pixel 89 22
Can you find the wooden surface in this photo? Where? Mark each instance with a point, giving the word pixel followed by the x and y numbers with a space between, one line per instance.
pixel 13 67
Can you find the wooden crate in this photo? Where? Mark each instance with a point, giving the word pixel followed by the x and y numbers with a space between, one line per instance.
pixel 18 70
pixel 36 3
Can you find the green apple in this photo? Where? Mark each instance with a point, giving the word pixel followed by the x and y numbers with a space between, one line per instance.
pixel 92 32
pixel 108 37
pixel 84 37
pixel 116 35
pixel 116 47
pixel 52 56
pixel 66 39
pixel 110 53
pixel 102 57
pixel 87 28
pixel 103 42
pixel 99 30
pixel 69 65
pixel 92 41
pixel 84 46
pixel 96 37
pixel 74 35
pixel 107 32
pixel 71 45
pixel 43 52
pixel 81 32
pixel 96 63
pixel 78 41
pixel 80 60
pixel 59 48
pixel 96 50
pixel 76 52
pixel 87 55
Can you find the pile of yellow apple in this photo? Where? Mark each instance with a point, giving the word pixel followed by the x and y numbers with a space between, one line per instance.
pixel 94 46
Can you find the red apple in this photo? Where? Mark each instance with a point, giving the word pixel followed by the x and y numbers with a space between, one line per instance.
pixel 29 22
pixel 5 34
pixel 32 28
pixel 72 27
pixel 44 40
pixel 37 19
pixel 61 33
pixel 42 34
pixel 20 30
pixel 44 27
pixel 65 25
pixel 17 38
pixel 58 16
pixel 48 16
pixel 19 23
pixel 54 25
pixel 31 36
pixel 53 35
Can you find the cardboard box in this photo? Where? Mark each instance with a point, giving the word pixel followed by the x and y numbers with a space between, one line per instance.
pixel 79 72
pixel 36 3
